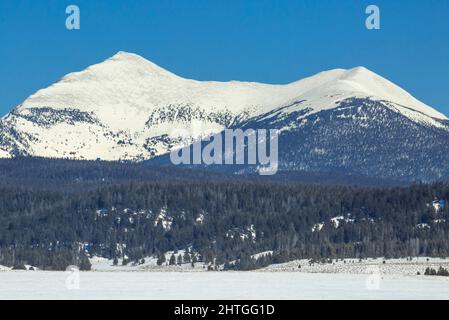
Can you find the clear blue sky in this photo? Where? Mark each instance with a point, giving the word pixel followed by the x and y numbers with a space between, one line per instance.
pixel 274 41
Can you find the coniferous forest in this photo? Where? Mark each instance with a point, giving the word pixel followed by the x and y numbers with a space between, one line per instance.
pixel 55 213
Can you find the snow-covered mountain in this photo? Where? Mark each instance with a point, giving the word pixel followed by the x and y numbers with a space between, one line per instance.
pixel 126 108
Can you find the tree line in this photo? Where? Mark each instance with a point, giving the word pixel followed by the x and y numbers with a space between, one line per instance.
pixel 225 222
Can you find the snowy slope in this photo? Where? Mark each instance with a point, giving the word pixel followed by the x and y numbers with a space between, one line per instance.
pixel 127 86
pixel 219 286
pixel 4 154
pixel 127 107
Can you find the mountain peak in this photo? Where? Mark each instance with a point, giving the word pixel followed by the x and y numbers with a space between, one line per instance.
pixel 124 55
pixel 129 64
pixel 359 73
pixel 360 69
pixel 363 81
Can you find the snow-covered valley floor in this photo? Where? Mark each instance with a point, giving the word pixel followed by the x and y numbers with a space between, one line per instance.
pixel 298 279
pixel 218 285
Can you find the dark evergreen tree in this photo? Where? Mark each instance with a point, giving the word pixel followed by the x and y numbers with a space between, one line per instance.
pixel 186 257
pixel 161 259
pixel 172 260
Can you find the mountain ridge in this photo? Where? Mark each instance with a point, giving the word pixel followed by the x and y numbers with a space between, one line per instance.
pixel 133 64
pixel 126 108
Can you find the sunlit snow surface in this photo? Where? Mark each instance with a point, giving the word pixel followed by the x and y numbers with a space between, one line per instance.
pixel 126 107
pixel 218 285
